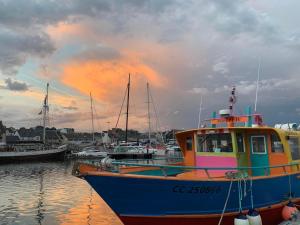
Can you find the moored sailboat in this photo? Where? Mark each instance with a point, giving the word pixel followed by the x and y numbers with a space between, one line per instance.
pixel 94 150
pixel 33 150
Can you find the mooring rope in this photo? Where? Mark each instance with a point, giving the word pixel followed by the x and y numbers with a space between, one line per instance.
pixel 240 190
pixel 251 193
pixel 290 187
pixel 225 205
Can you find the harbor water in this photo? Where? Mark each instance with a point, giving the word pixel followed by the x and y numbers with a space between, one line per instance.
pixel 48 194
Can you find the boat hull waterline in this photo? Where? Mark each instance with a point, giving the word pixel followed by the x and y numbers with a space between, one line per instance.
pixel 138 200
pixel 50 154
pixel 269 217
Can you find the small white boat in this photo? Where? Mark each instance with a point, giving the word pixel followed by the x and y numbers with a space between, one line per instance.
pixel 91 152
pixel 155 151
pixel 173 151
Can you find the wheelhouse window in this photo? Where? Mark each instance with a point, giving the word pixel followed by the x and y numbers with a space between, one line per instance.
pixel 189 143
pixel 276 144
pixel 258 145
pixel 294 146
pixel 215 143
pixel 240 142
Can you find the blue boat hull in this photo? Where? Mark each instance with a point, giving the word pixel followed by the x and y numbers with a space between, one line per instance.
pixel 158 197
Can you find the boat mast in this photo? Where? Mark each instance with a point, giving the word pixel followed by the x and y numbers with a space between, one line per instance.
pixel 149 121
pixel 45 110
pixel 92 116
pixel 257 86
pixel 200 111
pixel 127 110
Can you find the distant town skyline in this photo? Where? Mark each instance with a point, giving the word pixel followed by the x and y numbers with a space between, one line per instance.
pixel 184 49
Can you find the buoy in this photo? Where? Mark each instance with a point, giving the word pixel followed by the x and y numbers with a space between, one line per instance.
pixel 254 217
pixel 289 211
pixel 241 219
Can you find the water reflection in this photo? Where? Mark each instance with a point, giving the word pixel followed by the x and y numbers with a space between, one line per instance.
pixel 90 207
pixel 40 209
pixel 47 194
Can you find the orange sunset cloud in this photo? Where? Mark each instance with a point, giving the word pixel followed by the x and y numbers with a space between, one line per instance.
pixel 106 78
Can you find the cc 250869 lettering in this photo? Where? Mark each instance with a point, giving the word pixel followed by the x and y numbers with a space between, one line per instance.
pixel 196 189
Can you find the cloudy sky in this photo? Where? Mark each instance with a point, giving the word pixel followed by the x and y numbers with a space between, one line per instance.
pixel 184 49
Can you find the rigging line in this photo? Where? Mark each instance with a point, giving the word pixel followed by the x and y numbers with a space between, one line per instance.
pixel 92 116
pixel 134 106
pixel 157 124
pixel 149 117
pixel 41 82
pixel 156 116
pixel 121 106
pixel 99 125
pixel 97 118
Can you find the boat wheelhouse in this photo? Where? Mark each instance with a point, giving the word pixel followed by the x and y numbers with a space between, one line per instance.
pixel 241 147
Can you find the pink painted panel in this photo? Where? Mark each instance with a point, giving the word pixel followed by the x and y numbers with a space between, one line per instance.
pixel 216 161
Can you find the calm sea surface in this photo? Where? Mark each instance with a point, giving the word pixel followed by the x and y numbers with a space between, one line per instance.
pixel 47 193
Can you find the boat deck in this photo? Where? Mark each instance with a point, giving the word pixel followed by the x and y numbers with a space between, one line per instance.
pixel 175 173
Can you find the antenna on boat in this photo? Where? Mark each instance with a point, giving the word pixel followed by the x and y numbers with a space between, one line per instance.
pixel 200 111
pixel 232 100
pixel 45 111
pixel 149 121
pixel 92 116
pixel 127 110
pixel 257 85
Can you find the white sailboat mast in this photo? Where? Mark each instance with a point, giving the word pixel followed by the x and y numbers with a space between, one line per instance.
pixel 149 119
pixel 200 111
pixel 45 111
pixel 257 86
pixel 92 115
pixel 127 109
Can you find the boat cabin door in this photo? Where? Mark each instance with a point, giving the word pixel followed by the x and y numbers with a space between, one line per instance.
pixel 259 155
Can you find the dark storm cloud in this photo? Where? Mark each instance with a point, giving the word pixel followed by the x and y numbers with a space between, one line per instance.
pixel 32 13
pixel 16 47
pixel 15 85
pixel 24 14
pixel 23 23
pixel 238 17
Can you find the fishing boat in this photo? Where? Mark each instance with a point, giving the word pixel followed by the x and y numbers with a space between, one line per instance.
pixel 33 150
pixel 234 166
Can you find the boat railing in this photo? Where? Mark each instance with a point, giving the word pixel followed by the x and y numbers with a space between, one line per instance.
pixel 244 170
